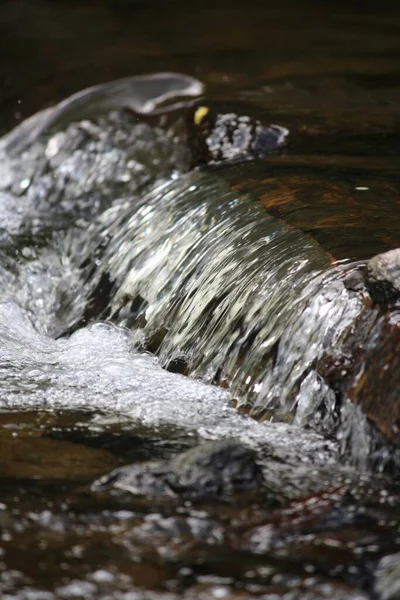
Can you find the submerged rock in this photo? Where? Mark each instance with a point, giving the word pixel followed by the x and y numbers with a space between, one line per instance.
pixel 212 470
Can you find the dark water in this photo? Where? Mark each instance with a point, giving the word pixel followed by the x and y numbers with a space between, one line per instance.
pixel 330 74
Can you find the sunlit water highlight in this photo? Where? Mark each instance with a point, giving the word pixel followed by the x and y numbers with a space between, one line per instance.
pixel 237 294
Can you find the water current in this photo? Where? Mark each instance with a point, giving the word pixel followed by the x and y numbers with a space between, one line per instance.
pixel 146 307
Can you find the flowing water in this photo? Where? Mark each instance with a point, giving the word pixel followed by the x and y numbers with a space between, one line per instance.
pixel 146 307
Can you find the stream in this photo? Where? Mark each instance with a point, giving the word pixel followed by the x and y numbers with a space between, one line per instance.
pixel 184 269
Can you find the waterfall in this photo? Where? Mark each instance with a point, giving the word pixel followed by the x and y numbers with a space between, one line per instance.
pixel 233 293
pixel 207 279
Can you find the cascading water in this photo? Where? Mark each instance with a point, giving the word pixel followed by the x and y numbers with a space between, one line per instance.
pixel 209 277
pixel 103 222
pixel 208 274
pixel 237 294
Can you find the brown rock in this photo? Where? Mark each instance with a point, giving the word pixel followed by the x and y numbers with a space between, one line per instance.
pixel 367 371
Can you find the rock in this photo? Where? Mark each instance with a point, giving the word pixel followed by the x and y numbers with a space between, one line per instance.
pixel 211 470
pixel 365 375
pixel 215 137
pixel 383 276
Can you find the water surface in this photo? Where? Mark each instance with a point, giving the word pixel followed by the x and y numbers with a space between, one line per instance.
pixel 330 74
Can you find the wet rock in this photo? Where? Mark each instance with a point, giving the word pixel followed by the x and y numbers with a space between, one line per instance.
pixel 215 136
pixel 363 442
pixel 383 276
pixel 211 470
pixel 365 375
pixel 376 381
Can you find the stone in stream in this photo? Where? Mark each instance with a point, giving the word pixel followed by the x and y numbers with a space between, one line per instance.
pixel 383 276
pixel 218 137
pixel 364 373
pixel 361 372
pixel 214 470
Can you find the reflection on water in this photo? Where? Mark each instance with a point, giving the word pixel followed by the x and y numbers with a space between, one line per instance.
pixel 330 75
pixel 327 73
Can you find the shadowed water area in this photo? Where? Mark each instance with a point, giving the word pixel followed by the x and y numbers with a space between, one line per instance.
pixel 148 307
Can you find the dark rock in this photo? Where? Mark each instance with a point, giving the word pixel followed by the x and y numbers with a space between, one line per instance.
pixel 376 383
pixel 215 137
pixel 211 470
pixel 365 375
pixel 383 276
